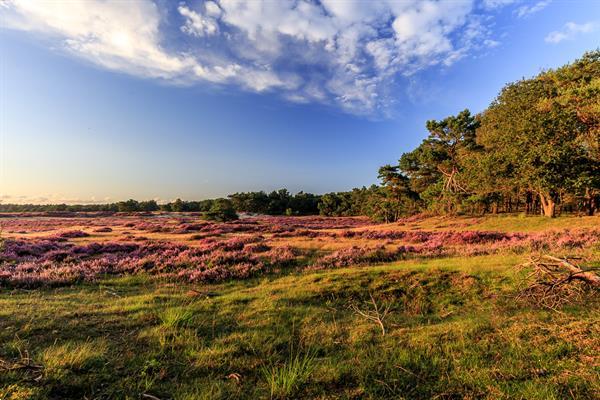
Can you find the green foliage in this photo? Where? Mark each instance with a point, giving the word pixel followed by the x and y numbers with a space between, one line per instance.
pixel 276 203
pixel 221 210
pixel 539 140
pixel 149 206
pixel 537 144
pixel 435 168
pixel 128 206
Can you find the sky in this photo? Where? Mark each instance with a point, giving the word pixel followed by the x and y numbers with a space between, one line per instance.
pixel 102 101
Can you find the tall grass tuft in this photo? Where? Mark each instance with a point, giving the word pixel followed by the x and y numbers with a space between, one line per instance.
pixel 176 317
pixel 73 356
pixel 284 380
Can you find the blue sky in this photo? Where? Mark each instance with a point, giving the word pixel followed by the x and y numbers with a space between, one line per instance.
pixel 104 101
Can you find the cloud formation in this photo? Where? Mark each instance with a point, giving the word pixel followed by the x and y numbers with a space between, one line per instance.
pixel 51 198
pixel 526 10
pixel 346 53
pixel 570 31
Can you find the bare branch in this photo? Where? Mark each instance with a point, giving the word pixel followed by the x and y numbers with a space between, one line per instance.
pixel 376 315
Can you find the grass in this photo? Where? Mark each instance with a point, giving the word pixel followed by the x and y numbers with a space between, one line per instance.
pixel 285 379
pixel 73 356
pixel 500 222
pixel 174 317
pixel 453 332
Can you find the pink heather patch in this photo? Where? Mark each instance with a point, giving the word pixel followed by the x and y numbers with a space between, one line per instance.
pixel 236 250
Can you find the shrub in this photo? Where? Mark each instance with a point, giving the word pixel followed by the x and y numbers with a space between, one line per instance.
pixel 73 234
pixel 222 210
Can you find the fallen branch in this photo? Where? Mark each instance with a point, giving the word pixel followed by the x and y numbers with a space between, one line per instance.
pixel 552 282
pixel 576 272
pixel 24 363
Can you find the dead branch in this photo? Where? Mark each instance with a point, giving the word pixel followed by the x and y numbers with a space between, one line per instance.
pixel 555 281
pixel 451 183
pixel 377 314
pixel 576 272
pixel 25 363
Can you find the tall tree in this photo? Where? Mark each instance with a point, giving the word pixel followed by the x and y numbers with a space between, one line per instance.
pixel 434 168
pixel 538 140
pixel 577 89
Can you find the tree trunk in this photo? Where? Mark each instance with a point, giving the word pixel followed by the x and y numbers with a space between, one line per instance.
pixel 495 207
pixel 548 206
pixel 590 205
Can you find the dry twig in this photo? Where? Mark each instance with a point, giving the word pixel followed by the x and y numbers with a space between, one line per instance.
pixel 377 314
pixel 24 363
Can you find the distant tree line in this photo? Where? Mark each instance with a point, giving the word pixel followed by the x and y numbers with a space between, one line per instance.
pixel 215 209
pixel 535 149
pixel 280 202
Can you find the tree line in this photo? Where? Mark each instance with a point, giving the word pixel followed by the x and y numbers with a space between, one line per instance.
pixel 279 202
pixel 535 149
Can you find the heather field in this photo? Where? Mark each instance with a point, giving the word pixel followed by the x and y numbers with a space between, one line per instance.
pixel 170 306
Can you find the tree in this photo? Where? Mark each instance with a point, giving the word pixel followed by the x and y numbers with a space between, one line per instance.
pixel 577 89
pixel 178 206
pixel 221 210
pixel 148 206
pixel 538 141
pixel 434 168
pixel 128 206
pixel 396 193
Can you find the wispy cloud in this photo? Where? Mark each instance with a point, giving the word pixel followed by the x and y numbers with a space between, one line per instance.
pixel 345 53
pixel 493 4
pixel 527 10
pixel 570 31
pixel 51 198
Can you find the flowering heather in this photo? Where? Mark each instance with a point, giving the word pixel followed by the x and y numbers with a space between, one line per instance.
pixel 213 251
pixel 355 256
pixel 73 234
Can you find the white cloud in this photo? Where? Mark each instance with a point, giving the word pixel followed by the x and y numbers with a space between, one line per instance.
pixel 493 4
pixel 570 31
pixel 50 198
pixel 527 10
pixel 342 52
pixel 117 35
pixel 491 43
pixel 197 24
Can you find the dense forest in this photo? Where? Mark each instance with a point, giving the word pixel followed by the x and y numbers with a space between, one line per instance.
pixel 535 149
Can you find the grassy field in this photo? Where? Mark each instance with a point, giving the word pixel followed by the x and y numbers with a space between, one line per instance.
pixel 453 329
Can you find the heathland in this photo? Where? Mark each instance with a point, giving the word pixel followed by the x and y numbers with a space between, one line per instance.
pixel 469 272
pixel 169 305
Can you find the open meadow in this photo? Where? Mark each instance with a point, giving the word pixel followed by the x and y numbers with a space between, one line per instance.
pixel 102 306
pixel 299 199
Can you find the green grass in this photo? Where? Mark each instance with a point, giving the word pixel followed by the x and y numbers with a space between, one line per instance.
pixel 454 331
pixel 504 223
pixel 285 379
pixel 174 317
pixel 72 356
